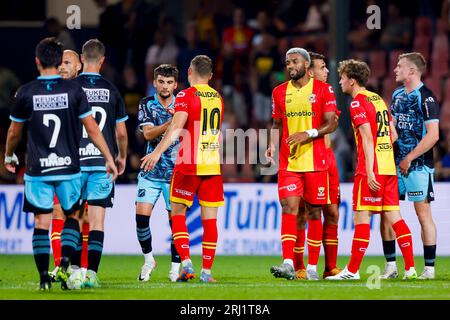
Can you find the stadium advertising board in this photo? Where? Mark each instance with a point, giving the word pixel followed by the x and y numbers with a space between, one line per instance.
pixel 249 223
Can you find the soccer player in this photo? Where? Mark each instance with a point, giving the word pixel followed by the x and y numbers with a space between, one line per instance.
pixel 199 110
pixel 68 70
pixel 155 115
pixel 96 188
pixel 304 109
pixel 319 71
pixel 375 187
pixel 416 117
pixel 53 109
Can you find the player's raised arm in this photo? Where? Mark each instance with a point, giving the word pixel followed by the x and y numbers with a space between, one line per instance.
pixel 152 132
pixel 97 138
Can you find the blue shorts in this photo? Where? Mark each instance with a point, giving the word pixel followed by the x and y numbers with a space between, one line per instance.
pixel 97 188
pixel 39 195
pixel 149 191
pixel 418 184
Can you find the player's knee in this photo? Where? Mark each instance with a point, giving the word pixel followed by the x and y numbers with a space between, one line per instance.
pixel 289 208
pixel 332 216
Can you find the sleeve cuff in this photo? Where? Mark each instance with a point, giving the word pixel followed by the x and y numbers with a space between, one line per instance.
pixel 122 119
pixel 84 115
pixel 17 119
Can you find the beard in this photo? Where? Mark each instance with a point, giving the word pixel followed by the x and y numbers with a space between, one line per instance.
pixel 164 96
pixel 300 73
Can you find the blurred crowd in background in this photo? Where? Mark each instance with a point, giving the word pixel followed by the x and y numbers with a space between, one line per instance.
pixel 247 42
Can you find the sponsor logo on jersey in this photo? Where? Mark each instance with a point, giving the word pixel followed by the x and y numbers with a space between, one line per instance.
pixel 50 102
pixel 300 114
pixel 97 95
pixel 384 146
pixel 354 104
pixel 415 193
pixel 90 150
pixel 359 115
pixel 183 192
pixel 372 199
pixel 290 187
pixel 207 94
pixel 53 160
pixel 372 98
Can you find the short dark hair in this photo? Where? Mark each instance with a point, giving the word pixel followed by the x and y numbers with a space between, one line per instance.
pixel 355 69
pixel 93 50
pixel 166 70
pixel 315 56
pixel 202 65
pixel 49 52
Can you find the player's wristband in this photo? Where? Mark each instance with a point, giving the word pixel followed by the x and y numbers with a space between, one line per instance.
pixel 312 133
pixel 11 159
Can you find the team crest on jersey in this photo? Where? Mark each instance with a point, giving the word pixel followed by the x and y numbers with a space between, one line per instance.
pixel 141 115
pixel 321 191
pixel 312 98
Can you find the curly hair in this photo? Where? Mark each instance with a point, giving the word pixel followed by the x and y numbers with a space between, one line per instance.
pixel 355 69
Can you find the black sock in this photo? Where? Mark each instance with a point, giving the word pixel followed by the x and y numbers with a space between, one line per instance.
pixel 143 232
pixel 76 256
pixel 41 251
pixel 69 241
pixel 173 250
pixel 95 248
pixel 389 250
pixel 429 254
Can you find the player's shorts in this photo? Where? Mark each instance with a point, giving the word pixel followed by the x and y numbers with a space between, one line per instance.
pixel 333 178
pixel 148 191
pixel 312 186
pixel 385 199
pixel 40 195
pixel 209 189
pixel 97 189
pixel 418 184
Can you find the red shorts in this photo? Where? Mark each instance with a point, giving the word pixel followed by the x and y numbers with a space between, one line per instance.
pixel 55 200
pixel 333 178
pixel 209 189
pixel 312 186
pixel 385 199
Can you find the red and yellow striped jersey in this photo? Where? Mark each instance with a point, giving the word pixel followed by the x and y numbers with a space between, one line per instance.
pixel 199 151
pixel 302 109
pixel 369 107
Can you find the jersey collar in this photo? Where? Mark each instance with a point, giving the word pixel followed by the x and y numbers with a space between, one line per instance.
pixel 90 74
pixel 415 89
pixel 171 104
pixel 56 76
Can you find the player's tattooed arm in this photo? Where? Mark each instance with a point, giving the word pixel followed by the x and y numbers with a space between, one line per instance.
pixel 97 138
pixel 12 141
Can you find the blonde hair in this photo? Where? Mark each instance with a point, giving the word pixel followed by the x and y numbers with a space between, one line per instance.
pixel 417 59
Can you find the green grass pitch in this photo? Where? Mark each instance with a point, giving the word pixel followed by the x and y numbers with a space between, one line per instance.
pixel 243 277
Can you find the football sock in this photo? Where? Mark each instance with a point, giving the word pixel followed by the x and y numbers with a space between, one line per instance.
pixel 57 226
pixel 389 250
pixel 360 243
pixel 95 248
pixel 76 256
pixel 288 235
pixel 330 245
pixel 143 232
pixel 175 257
pixel 314 240
pixel 429 254
pixel 299 250
pixel 84 250
pixel 209 242
pixel 41 251
pixel 180 236
pixel 404 240
pixel 69 241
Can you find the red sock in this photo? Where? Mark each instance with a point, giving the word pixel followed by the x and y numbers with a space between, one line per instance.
pixel 404 240
pixel 84 250
pixel 209 242
pixel 57 226
pixel 360 243
pixel 330 245
pixel 299 250
pixel 288 235
pixel 314 240
pixel 180 236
